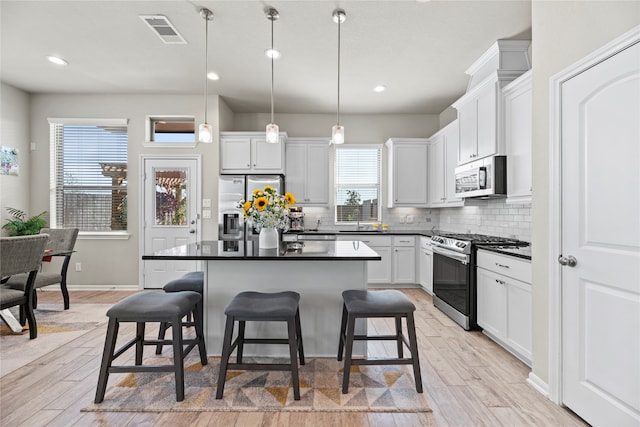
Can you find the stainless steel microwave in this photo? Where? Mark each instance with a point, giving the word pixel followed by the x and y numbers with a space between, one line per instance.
pixel 482 178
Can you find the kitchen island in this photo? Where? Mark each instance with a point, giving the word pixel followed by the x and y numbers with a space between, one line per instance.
pixel 318 271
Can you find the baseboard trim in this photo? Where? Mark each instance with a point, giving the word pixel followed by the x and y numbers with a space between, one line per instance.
pixel 56 288
pixel 539 385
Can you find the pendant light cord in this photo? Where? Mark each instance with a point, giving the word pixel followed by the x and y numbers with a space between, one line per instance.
pixel 338 118
pixel 206 63
pixel 272 55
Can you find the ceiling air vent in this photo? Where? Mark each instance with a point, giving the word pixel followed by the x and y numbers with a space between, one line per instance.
pixel 163 29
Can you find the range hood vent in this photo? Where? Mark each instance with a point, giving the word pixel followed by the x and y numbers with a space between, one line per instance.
pixel 161 27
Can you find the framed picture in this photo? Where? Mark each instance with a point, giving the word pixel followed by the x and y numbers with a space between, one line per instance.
pixel 8 161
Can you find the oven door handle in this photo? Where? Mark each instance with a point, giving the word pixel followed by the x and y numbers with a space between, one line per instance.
pixel 449 254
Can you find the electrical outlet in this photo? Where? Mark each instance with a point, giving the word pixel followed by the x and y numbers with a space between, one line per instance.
pixel 206 203
pixel 448 219
pixel 78 266
pixel 206 213
pixel 409 219
pixel 402 220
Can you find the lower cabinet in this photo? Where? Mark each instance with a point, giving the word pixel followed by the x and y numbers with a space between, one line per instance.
pixel 425 265
pixel 404 260
pixel 504 301
pixel 398 253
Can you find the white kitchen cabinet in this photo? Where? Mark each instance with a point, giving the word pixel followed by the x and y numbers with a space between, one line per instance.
pixel 481 108
pixel 403 266
pixel 518 138
pixel 477 114
pixel 398 253
pixel 407 172
pixel 425 264
pixel 443 159
pixel 307 170
pixel 249 152
pixel 504 301
pixel 378 272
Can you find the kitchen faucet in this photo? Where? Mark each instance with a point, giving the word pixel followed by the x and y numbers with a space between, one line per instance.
pixel 356 211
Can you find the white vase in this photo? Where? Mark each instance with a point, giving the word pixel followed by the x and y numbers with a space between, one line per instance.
pixel 268 238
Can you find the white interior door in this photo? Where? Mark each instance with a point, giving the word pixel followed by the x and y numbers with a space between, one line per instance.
pixel 600 136
pixel 170 215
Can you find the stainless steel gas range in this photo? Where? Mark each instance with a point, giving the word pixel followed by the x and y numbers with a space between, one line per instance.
pixel 454 273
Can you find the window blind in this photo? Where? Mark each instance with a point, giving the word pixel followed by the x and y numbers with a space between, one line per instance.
pixel 357 181
pixel 89 179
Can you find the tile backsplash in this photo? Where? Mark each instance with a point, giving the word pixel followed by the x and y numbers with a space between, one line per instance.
pixel 494 217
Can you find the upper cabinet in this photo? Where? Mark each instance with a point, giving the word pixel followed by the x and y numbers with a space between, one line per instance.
pixel 518 138
pixel 481 109
pixel 443 159
pixel 307 170
pixel 249 152
pixel 407 172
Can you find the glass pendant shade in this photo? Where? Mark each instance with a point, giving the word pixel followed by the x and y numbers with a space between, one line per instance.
pixel 273 133
pixel 337 134
pixel 205 133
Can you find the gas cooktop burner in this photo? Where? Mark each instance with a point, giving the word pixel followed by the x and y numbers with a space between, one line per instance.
pixel 461 242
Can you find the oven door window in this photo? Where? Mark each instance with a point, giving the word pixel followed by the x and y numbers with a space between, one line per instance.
pixel 451 279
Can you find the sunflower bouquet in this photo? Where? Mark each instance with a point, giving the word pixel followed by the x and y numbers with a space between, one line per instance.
pixel 267 208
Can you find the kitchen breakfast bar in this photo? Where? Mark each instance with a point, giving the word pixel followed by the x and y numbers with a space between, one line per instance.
pixel 318 270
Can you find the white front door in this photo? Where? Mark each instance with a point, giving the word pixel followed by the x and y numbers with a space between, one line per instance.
pixel 600 140
pixel 170 215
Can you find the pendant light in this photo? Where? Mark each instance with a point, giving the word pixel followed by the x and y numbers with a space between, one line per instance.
pixel 337 132
pixel 205 130
pixel 273 131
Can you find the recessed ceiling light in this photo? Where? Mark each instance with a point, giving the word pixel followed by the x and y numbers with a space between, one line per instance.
pixel 213 76
pixel 379 88
pixel 56 60
pixel 272 53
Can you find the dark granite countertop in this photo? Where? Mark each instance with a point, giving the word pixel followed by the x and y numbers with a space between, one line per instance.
pixel 426 233
pixel 288 251
pixel 516 251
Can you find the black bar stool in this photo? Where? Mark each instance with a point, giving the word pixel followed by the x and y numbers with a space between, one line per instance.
pixel 192 281
pixel 365 304
pixel 152 307
pixel 262 307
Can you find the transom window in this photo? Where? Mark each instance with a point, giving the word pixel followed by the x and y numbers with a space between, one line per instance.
pixel 89 174
pixel 171 129
pixel 357 184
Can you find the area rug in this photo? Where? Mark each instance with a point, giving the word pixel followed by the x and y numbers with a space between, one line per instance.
pixel 372 389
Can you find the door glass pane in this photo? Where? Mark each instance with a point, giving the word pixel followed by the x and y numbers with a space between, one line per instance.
pixel 171 196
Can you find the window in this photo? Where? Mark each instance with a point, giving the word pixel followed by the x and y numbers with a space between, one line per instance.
pixel 171 129
pixel 357 184
pixel 89 174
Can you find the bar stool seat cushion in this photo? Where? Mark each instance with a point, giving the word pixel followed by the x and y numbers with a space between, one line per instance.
pixel 154 306
pixel 191 281
pixel 251 305
pixel 378 302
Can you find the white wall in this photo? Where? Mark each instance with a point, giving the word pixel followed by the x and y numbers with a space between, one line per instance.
pixel 359 128
pixel 14 133
pixel 114 263
pixel 563 33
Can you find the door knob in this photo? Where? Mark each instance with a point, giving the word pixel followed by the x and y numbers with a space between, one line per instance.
pixel 570 260
pixel 192 231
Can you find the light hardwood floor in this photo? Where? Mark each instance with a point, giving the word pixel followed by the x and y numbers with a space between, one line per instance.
pixel 468 381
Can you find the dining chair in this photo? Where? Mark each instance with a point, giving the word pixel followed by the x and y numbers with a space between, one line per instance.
pixel 21 255
pixel 61 243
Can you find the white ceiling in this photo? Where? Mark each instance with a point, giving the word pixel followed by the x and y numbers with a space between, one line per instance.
pixel 419 50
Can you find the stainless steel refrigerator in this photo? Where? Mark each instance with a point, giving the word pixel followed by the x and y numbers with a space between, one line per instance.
pixel 233 188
